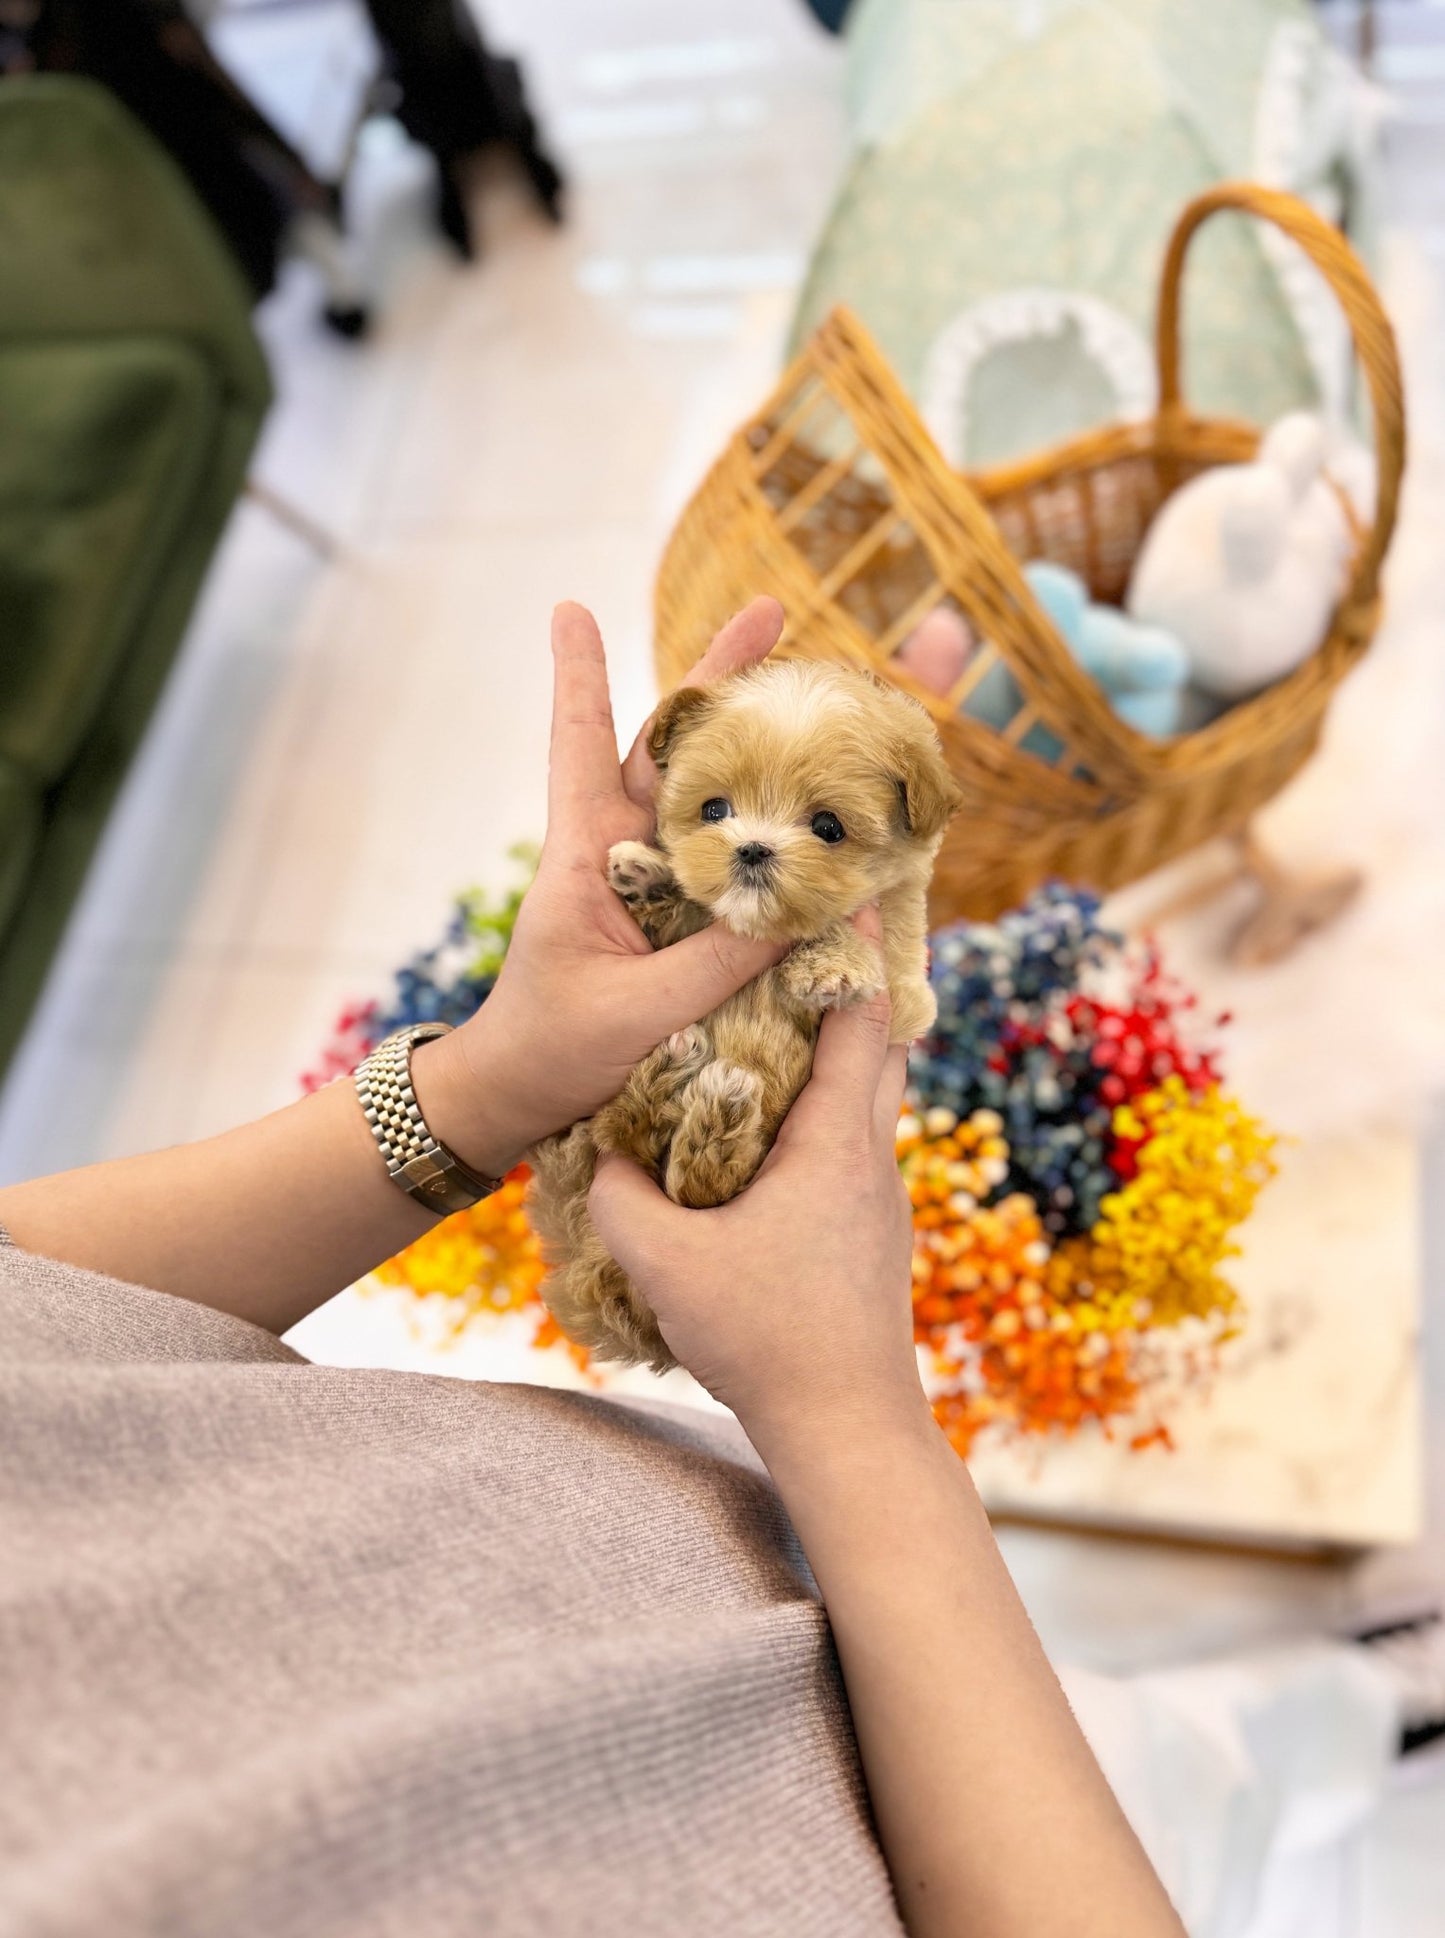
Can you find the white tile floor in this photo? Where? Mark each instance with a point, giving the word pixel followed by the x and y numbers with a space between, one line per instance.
pixel 511 434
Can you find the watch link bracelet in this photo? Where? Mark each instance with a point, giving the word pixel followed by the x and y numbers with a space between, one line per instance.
pixel 420 1163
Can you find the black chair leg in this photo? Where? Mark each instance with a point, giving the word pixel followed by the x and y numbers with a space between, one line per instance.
pixel 453 216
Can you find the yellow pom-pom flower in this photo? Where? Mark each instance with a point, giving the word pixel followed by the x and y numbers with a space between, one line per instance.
pixel 487 1259
pixel 1154 1255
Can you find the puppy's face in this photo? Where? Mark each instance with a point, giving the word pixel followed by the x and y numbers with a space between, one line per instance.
pixel 795 792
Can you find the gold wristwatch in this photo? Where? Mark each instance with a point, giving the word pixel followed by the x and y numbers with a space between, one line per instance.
pixel 420 1163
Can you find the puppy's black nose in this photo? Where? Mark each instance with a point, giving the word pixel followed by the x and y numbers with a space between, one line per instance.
pixel 752 854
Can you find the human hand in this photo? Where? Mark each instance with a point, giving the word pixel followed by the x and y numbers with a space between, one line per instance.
pixel 582 996
pixel 791 1303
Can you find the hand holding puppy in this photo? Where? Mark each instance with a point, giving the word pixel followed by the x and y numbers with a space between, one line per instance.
pixel 792 795
pixel 582 996
pixel 791 1303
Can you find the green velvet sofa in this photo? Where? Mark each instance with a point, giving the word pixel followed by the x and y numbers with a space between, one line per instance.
pixel 132 389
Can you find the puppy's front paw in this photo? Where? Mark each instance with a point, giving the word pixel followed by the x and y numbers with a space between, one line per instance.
pixel 915 1010
pixel 686 1051
pixel 832 975
pixel 638 873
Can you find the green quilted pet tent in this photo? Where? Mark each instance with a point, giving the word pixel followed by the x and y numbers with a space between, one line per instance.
pixel 1016 168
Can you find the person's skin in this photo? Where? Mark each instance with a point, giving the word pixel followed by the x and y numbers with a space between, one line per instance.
pixel 791 1305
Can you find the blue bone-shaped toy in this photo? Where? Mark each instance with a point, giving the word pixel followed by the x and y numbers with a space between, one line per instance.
pixel 1142 669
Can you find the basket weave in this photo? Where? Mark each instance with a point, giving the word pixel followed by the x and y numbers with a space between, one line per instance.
pixel 836 499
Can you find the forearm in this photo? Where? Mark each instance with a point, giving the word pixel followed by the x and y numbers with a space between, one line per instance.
pixel 267 1221
pixel 990 1807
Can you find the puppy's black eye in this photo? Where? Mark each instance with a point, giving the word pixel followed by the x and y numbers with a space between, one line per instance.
pixel 828 827
pixel 717 809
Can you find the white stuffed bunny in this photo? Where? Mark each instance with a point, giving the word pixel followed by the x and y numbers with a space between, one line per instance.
pixel 1245 563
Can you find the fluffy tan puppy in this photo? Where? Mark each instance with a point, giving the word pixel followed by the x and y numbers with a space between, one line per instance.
pixel 791 794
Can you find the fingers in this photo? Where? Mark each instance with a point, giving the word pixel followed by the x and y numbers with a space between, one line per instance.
pixel 848 1063
pixel 750 635
pixel 584 744
pixel 634 1219
pixel 690 978
pixel 888 1100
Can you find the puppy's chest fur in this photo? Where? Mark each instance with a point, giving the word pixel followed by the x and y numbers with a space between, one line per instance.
pixel 721 1087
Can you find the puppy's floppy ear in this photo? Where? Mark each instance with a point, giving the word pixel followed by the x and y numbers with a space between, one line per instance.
pixel 674 715
pixel 929 794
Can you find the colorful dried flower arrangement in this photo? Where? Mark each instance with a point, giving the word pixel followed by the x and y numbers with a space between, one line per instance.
pixel 1077 1176
pixel 1076 1171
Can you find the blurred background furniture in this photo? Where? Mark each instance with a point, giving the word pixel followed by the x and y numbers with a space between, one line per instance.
pixel 156 62
pixel 270 199
pixel 434 73
pixel 131 389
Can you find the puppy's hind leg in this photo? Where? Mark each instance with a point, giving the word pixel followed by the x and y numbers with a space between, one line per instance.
pixel 718 1144
pixel 640 1120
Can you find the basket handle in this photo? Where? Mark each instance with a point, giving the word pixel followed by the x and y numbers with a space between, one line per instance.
pixel 1374 340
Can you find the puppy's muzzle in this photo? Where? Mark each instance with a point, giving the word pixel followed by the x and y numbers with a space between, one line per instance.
pixel 753 861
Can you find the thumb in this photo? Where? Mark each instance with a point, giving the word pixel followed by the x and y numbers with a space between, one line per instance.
pixel 635 1220
pixel 848 1061
pixel 690 978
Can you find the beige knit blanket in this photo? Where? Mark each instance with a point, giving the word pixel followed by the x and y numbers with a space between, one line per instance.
pixel 287 1650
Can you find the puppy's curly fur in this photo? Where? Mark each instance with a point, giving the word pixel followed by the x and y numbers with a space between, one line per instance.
pixel 791 794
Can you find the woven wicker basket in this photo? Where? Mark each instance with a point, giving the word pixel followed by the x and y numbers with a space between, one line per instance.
pixel 836 499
